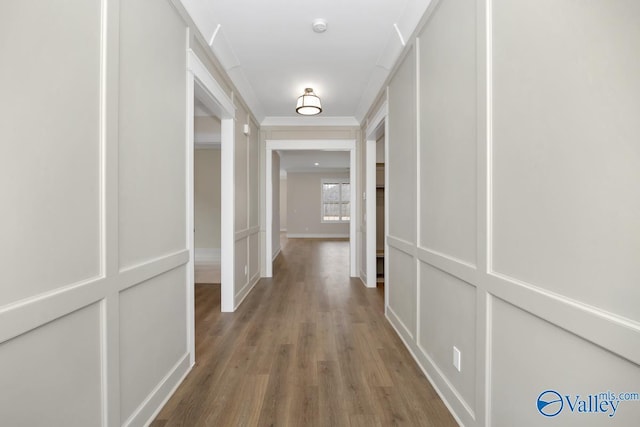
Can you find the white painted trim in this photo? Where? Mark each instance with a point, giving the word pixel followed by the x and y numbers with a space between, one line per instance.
pixel 422 368
pixel 268 214
pixel 316 236
pixel 485 210
pixel 363 277
pixel 418 194
pixel 404 332
pixel 207 255
pixel 371 214
pixel 22 316
pixel 387 190
pixel 243 234
pixel 214 97
pixel 308 144
pixel 149 269
pixel 190 209
pixel 316 170
pixel 401 245
pixel 355 201
pixel 311 144
pixel 309 121
pixel 370 190
pixel 218 95
pixel 109 221
pixel 376 120
pixel 246 290
pixel 227 216
pixel 278 252
pixel 152 405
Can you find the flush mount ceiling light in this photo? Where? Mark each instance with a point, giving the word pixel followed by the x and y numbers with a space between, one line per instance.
pixel 308 103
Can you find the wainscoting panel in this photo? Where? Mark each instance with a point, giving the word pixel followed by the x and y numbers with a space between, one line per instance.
pixel 402 289
pixel 531 356
pixel 565 193
pixel 402 151
pixel 448 91
pixel 521 251
pixel 151 340
pixel 242 266
pixel 51 200
pixel 447 320
pixel 52 375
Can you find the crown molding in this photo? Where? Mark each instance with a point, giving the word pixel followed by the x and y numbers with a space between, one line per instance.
pixel 309 121
pixel 317 170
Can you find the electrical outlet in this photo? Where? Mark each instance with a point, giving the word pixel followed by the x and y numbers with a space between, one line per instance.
pixel 457 357
pixel 246 270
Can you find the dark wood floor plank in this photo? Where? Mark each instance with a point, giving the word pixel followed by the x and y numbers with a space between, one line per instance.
pixel 309 347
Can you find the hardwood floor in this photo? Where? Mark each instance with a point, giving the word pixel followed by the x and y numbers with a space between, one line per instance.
pixel 208 273
pixel 309 347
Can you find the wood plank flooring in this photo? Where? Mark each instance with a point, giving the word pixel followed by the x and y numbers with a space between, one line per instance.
pixel 309 347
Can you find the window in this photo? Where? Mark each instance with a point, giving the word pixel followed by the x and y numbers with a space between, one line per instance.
pixel 336 206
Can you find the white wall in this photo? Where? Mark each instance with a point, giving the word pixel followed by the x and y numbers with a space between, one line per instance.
pixel 283 204
pixel 304 206
pixel 90 239
pixel 93 302
pixel 207 204
pixel 519 246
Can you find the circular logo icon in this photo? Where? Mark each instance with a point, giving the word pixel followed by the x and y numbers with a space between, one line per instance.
pixel 550 403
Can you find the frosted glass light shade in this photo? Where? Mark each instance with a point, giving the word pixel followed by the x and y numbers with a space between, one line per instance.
pixel 308 103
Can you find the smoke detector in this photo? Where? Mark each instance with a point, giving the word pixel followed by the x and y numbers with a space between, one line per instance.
pixel 319 25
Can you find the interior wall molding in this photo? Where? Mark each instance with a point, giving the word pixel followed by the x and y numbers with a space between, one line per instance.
pixel 309 121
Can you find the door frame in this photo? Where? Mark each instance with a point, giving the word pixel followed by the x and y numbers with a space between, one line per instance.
pixel 210 93
pixel 376 126
pixel 306 145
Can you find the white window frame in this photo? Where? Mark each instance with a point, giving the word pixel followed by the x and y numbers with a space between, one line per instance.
pixel 340 181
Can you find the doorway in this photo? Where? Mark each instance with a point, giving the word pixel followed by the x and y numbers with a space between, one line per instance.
pixel 307 145
pixel 376 183
pixel 207 186
pixel 202 86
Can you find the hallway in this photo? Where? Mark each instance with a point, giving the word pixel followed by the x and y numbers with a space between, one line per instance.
pixel 310 347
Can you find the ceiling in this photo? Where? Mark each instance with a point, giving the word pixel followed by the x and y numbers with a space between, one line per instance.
pixel 305 161
pixel 270 52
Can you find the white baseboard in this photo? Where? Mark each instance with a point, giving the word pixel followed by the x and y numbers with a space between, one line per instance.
pixel 207 256
pixel 316 236
pixel 276 254
pixel 439 383
pixel 151 406
pixel 246 289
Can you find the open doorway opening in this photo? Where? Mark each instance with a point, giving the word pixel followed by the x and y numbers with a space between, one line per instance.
pixel 376 199
pixel 380 213
pixel 207 185
pixel 201 86
pixel 320 202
